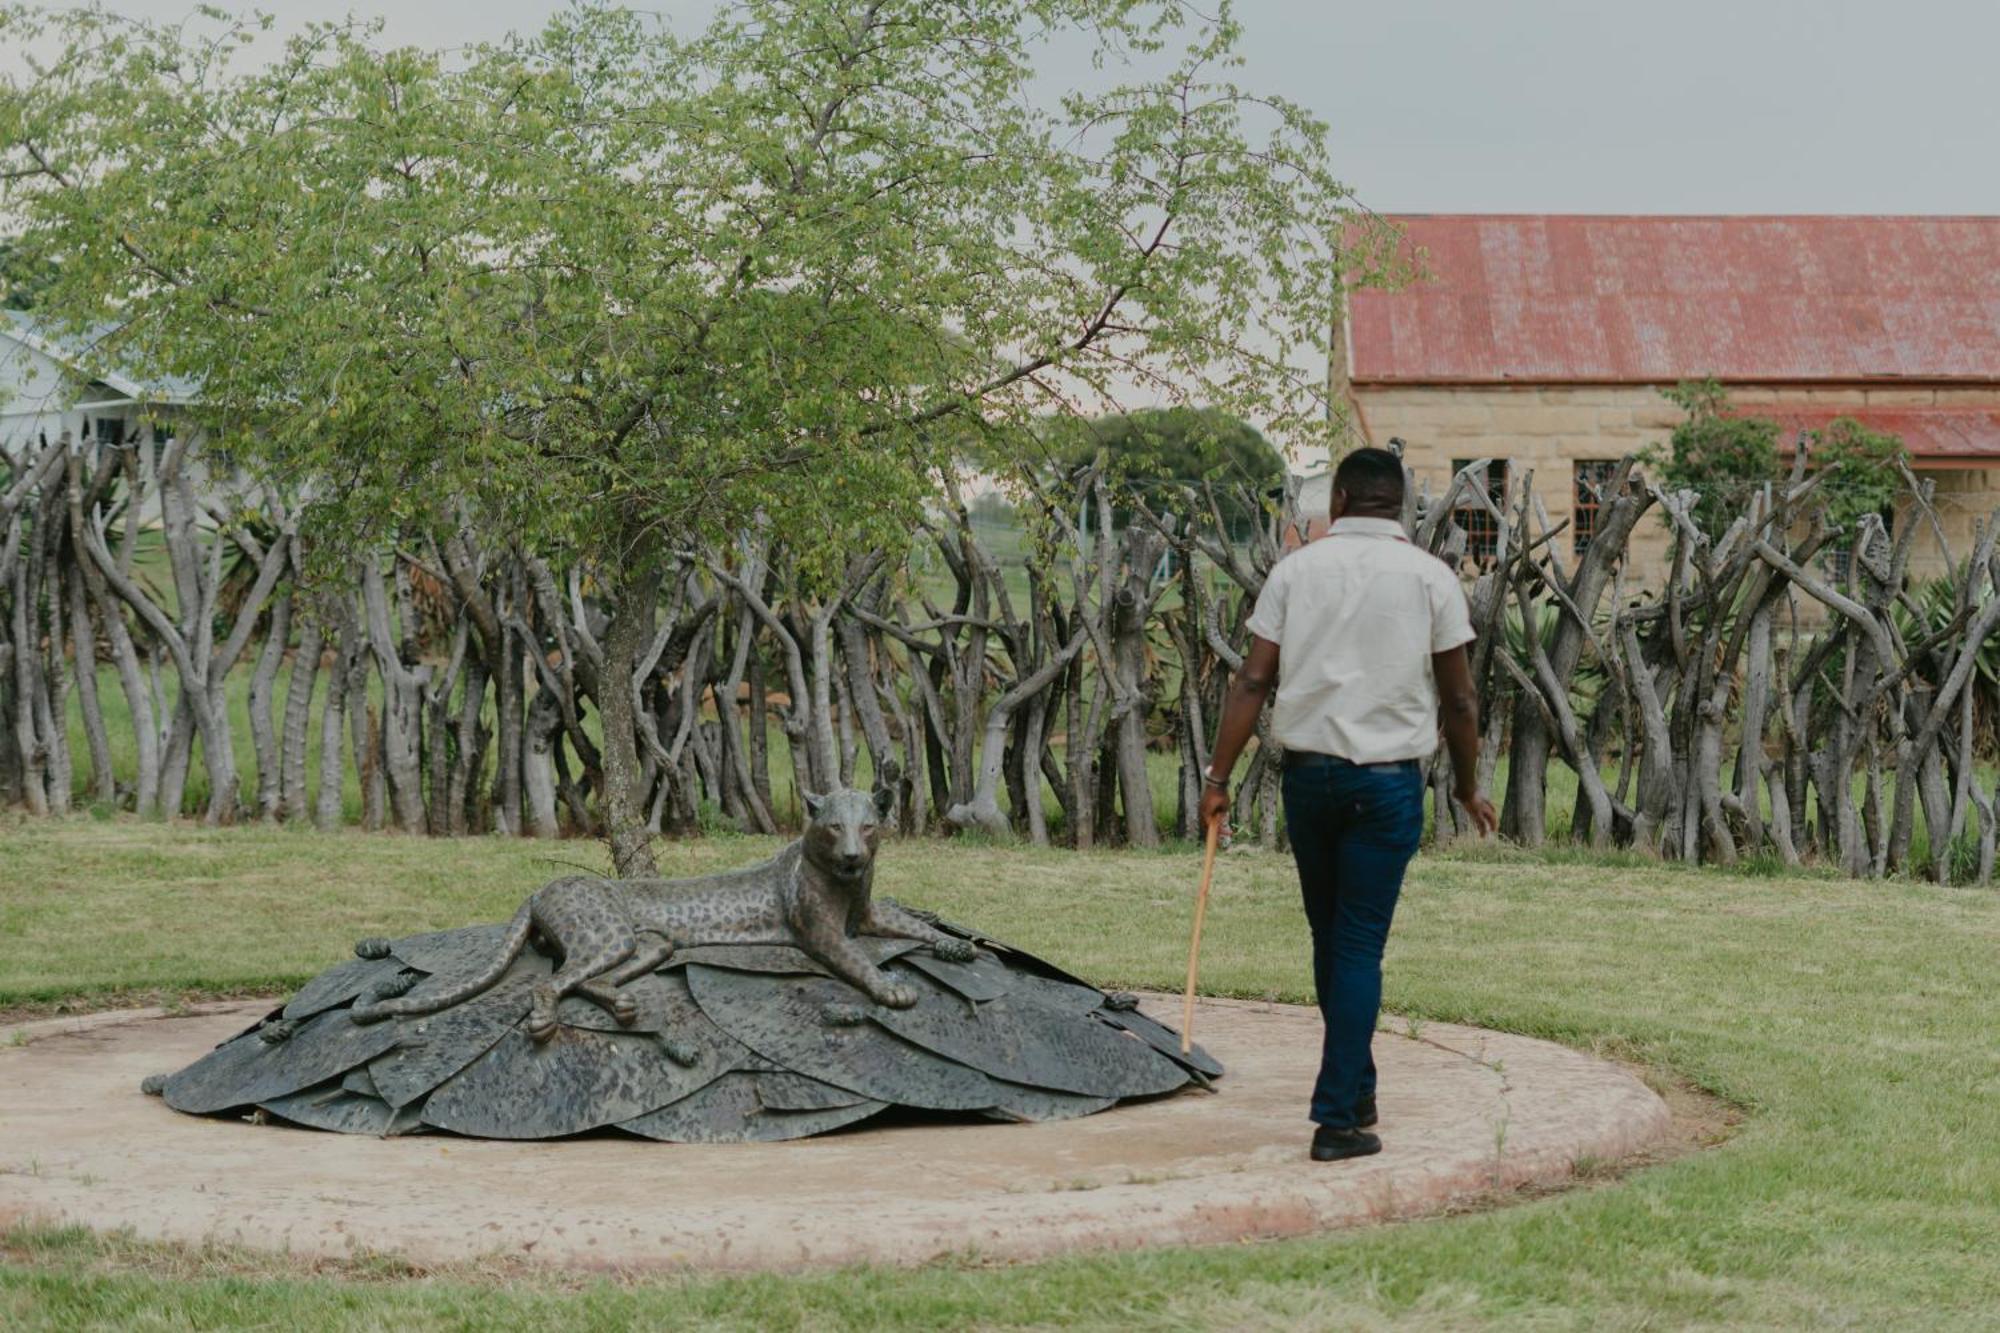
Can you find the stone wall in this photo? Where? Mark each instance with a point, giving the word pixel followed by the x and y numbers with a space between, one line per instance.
pixel 1550 429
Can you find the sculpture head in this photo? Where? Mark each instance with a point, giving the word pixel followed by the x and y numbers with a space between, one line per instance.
pixel 843 829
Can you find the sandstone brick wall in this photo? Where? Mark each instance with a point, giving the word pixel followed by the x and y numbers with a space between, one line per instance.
pixel 1549 429
pixel 1539 428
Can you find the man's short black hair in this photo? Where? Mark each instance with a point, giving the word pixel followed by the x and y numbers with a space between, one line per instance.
pixel 1372 478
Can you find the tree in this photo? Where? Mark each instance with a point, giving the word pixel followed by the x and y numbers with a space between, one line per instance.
pixel 1717 454
pixel 1723 457
pixel 1163 449
pixel 1861 467
pixel 606 293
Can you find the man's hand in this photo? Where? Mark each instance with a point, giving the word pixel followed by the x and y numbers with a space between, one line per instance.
pixel 1214 806
pixel 1484 818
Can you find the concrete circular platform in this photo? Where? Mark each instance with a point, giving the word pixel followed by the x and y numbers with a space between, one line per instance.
pixel 1465 1112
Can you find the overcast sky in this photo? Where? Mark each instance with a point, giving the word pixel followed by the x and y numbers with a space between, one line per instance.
pixel 1599 106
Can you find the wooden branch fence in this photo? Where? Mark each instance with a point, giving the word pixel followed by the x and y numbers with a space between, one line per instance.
pixel 1745 704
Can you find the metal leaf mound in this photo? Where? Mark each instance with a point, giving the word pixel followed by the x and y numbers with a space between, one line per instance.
pixel 723 1044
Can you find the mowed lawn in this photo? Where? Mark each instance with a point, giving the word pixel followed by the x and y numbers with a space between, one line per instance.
pixel 1857 1026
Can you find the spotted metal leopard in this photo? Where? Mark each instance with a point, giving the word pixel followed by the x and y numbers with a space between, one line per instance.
pixel 816 895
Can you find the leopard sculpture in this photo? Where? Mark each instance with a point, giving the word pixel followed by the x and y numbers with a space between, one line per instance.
pixel 815 895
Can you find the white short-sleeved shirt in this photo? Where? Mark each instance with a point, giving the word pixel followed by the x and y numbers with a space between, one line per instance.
pixel 1356 616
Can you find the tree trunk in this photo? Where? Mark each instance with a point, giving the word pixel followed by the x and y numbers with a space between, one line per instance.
pixel 626 813
pixel 402 704
pixel 330 804
pixel 263 725
pixel 83 631
pixel 292 805
pixel 538 769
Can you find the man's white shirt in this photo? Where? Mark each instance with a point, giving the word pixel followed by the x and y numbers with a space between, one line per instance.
pixel 1356 616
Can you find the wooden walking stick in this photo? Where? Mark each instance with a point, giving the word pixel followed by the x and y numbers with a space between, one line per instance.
pixel 1194 944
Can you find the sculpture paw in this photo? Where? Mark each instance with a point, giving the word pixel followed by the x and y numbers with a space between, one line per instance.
pixel 682 1053
pixel 955 950
pixel 541 1022
pixel 373 947
pixel 391 987
pixel 896 996
pixel 273 1033
pixel 154 1085
pixel 842 1015
pixel 625 1010
pixel 1121 1001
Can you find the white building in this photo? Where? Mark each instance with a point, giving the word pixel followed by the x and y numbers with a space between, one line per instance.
pixel 50 383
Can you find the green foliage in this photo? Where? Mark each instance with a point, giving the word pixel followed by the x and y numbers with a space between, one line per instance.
pixel 23 278
pixel 1928 610
pixel 1722 456
pixel 1861 470
pixel 613 287
pixel 1160 450
pixel 1588 682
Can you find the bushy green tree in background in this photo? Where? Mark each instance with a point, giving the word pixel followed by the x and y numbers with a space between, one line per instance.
pixel 1725 457
pixel 610 290
pixel 1160 451
pixel 1861 467
pixel 1721 456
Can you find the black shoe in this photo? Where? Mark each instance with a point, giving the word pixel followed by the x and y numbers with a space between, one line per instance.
pixel 1364 1112
pixel 1333 1145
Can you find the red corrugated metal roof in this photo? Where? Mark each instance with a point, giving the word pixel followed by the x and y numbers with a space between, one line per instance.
pixel 1569 299
pixel 1939 436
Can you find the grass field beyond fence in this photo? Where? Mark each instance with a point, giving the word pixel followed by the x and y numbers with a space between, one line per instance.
pixel 1853 1023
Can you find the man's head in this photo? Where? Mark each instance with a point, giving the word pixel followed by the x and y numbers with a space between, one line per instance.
pixel 1368 484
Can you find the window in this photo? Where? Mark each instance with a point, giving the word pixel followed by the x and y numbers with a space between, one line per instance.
pixel 1482 531
pixel 1592 476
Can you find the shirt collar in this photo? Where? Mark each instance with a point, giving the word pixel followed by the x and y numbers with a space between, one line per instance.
pixel 1368 527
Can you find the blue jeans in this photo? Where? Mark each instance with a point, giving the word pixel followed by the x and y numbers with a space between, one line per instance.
pixel 1353 831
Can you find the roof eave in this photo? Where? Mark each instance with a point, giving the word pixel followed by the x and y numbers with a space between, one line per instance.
pixel 1565 381
pixel 29 338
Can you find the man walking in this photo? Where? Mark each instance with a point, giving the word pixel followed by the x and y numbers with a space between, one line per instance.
pixel 1364 637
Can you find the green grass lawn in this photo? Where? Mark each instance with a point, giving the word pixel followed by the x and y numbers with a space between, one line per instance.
pixel 1852 1023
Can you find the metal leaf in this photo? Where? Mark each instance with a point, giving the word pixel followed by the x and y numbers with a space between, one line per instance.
pixel 575 1081
pixel 730 1110
pixel 452 954
pixel 331 1107
pixel 246 1071
pixel 1033 1105
pixel 439 1045
pixel 1162 1039
pixel 339 984
pixel 1022 1040
pixel 779 1018
pixel 795 1092
pixel 984 978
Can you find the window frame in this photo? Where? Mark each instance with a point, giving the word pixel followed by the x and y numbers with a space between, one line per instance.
pixel 1482 533
pixel 1587 505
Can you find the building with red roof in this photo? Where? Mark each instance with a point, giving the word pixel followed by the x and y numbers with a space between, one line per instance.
pixel 1543 342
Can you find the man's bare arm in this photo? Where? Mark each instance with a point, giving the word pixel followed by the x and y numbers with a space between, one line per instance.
pixel 1247 693
pixel 1253 684
pixel 1458 712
